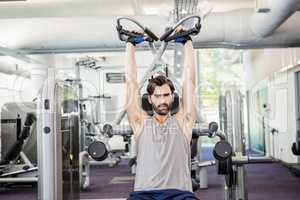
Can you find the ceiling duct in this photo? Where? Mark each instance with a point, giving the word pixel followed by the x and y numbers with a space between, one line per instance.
pixel 10 68
pixel 264 24
pixel 261 6
pixel 242 28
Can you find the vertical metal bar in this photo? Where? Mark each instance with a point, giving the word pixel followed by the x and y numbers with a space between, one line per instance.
pixel 203 178
pixel 26 159
pixel 80 96
pixel 248 116
pixel 45 138
pixel 240 187
pixel 56 120
pixel 297 100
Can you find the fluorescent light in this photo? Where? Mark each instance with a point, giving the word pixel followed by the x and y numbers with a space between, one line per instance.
pixel 286 68
pixel 2 44
pixel 183 11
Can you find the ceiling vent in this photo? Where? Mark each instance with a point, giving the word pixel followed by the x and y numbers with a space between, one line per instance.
pixel 115 77
pixel 262 6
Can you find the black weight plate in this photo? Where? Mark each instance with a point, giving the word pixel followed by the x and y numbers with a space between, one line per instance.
pixel 222 150
pixel 97 150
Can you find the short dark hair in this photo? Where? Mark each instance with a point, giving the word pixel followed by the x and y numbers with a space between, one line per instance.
pixel 159 81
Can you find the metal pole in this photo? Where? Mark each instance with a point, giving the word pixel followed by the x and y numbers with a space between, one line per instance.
pixel 45 138
pixel 239 147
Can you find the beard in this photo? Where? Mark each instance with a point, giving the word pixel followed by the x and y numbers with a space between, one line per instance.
pixel 162 109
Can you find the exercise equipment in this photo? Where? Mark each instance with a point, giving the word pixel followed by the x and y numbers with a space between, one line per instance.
pixel 168 36
pixel 98 151
pixel 157 64
pixel 58 136
pixel 124 34
pixel 16 148
pixel 15 166
pixel 296 145
pixel 94 146
pixel 231 154
pixel 13 116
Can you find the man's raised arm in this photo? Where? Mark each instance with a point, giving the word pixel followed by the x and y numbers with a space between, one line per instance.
pixel 134 112
pixel 189 83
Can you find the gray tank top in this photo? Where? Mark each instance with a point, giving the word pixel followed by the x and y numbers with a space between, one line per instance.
pixel 163 157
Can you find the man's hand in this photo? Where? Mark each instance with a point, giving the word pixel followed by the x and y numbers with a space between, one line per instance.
pixel 184 39
pixel 136 39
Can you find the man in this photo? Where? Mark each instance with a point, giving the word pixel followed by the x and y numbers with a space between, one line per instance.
pixel 163 141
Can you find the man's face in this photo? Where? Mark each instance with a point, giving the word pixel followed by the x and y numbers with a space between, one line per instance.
pixel 162 99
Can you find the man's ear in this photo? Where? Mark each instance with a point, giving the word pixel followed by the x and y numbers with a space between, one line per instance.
pixel 173 97
pixel 149 99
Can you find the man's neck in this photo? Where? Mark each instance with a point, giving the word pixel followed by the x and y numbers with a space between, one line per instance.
pixel 161 119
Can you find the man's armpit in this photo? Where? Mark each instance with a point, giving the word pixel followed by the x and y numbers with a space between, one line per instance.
pixel 188 117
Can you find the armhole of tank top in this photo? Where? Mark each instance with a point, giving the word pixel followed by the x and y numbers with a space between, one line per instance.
pixel 181 129
pixel 137 137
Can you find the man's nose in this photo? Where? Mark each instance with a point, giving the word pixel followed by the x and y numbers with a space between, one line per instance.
pixel 162 99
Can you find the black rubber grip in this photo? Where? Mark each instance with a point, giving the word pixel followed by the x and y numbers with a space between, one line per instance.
pixel 166 34
pixel 131 34
pixel 151 34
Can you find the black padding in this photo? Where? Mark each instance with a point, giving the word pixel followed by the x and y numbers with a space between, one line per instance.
pixel 194 147
pixel 30 119
pixel 132 162
pixel 13 152
pixel 195 185
pixel 296 145
pixel 296 149
pixel 98 151
pixel 147 107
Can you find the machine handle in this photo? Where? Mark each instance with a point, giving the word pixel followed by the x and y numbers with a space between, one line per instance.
pixel 193 31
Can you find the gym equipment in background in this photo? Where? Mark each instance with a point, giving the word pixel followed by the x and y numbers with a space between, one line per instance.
pixel 58 136
pixel 18 159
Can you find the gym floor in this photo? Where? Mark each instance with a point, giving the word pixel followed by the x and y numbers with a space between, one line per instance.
pixel 265 181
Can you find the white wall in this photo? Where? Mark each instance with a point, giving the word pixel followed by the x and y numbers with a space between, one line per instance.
pixel 268 68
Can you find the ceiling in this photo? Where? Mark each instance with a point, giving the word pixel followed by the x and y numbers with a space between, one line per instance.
pixel 47 26
pixel 57 8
